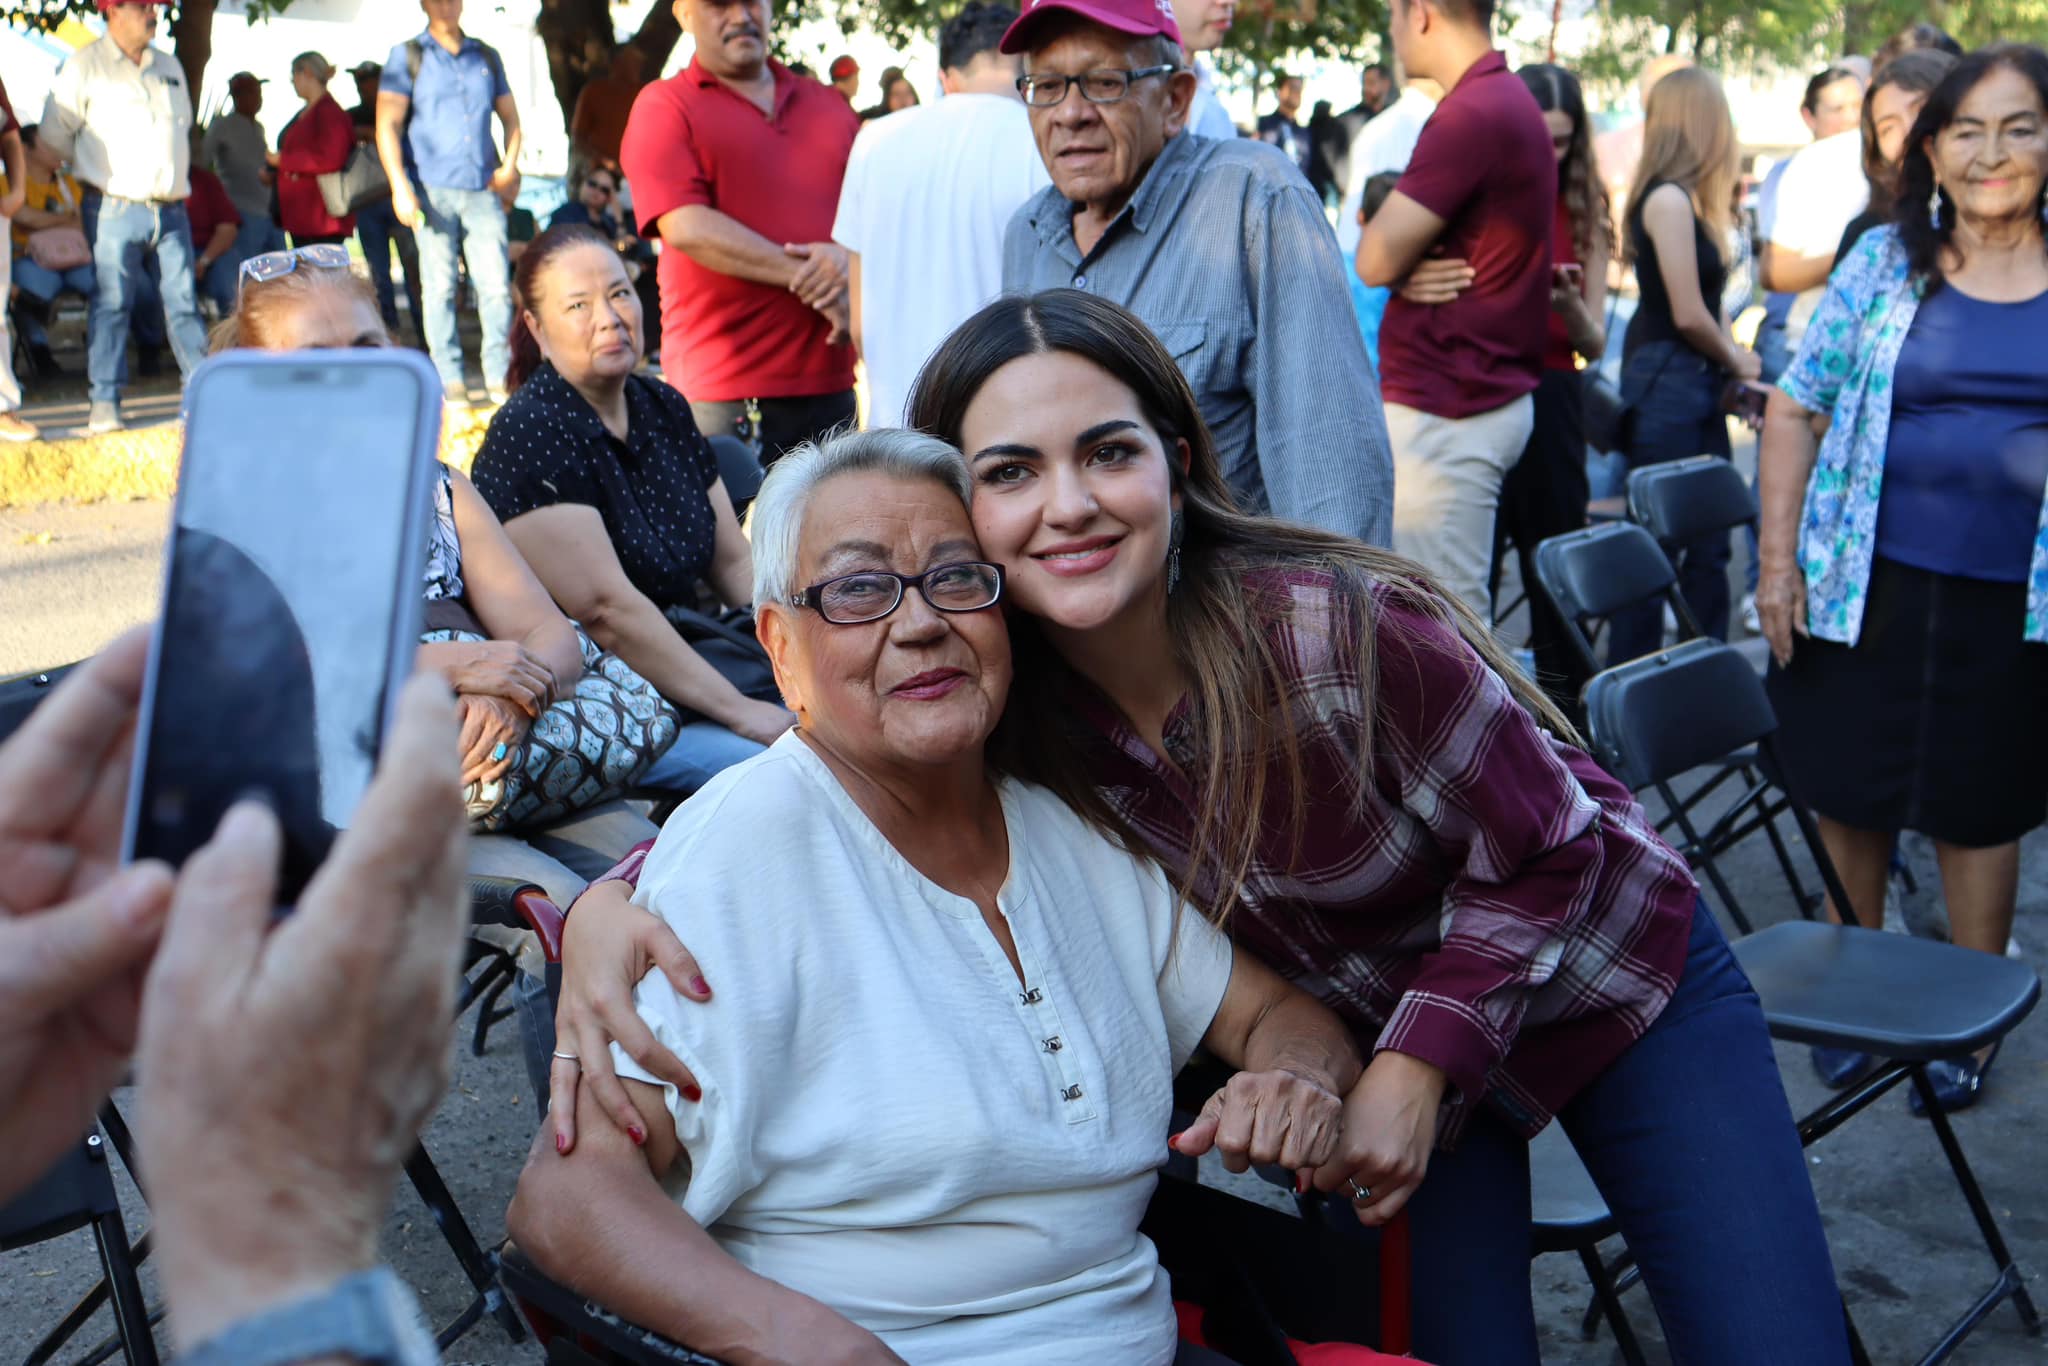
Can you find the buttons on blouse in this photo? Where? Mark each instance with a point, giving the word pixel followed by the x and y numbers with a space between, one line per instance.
pixel 1063 1066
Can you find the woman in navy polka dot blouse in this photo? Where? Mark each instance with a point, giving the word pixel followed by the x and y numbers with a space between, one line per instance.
pixel 607 487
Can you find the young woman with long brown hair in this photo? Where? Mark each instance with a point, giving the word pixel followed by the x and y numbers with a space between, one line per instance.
pixel 1680 356
pixel 1333 758
pixel 1545 493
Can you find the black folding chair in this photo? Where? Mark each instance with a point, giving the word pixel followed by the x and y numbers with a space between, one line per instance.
pixel 79 1193
pixel 1909 1001
pixel 1593 573
pixel 1570 1215
pixel 1681 501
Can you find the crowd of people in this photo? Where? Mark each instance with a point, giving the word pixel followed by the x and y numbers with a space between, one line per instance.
pixel 1130 683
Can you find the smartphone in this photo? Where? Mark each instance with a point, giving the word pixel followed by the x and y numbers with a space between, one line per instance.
pixel 1746 401
pixel 292 596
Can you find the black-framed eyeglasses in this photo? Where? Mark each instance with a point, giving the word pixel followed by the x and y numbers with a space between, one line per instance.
pixel 275 265
pixel 855 599
pixel 602 187
pixel 1105 85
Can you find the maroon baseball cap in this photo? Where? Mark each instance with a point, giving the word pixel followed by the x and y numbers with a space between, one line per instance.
pixel 842 67
pixel 1139 18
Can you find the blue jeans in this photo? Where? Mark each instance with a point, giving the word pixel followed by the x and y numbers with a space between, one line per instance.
pixel 703 750
pixel 1675 412
pixel 44 286
pixel 378 228
pixel 472 222
pixel 123 232
pixel 1690 1139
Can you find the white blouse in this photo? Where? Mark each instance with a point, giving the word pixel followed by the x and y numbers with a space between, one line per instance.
pixel 892 1123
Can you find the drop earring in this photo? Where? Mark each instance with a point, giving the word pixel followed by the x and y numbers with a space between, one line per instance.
pixel 1173 554
pixel 1934 208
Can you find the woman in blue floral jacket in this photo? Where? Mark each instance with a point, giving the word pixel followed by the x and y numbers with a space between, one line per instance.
pixel 1904 585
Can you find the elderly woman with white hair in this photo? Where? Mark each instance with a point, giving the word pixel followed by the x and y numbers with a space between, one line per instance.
pixel 934 1086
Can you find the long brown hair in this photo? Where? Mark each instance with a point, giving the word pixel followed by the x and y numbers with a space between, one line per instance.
pixel 1219 632
pixel 1578 180
pixel 1689 140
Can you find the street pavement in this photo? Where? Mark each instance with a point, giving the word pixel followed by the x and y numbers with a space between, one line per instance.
pixel 1906 1252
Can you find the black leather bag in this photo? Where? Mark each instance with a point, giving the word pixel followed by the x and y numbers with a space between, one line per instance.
pixel 727 642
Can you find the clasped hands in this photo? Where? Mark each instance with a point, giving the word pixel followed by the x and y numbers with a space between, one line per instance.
pixel 1376 1139
pixel 820 281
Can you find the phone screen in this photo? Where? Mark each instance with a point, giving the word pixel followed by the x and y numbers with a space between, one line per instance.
pixel 291 548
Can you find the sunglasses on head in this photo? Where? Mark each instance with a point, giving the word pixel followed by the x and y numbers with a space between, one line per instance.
pixel 273 265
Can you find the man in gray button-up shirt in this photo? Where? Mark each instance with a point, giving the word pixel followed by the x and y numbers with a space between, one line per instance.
pixel 1220 247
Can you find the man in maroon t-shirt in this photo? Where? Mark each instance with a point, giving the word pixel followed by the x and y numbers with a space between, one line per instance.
pixel 736 162
pixel 1464 240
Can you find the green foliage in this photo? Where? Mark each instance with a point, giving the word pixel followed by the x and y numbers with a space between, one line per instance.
pixel 1340 29
pixel 1795 34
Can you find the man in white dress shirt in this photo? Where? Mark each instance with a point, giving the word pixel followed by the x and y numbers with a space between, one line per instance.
pixel 929 191
pixel 119 112
pixel 1384 144
pixel 1203 25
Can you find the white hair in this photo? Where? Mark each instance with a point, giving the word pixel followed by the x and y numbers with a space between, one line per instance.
pixel 775 523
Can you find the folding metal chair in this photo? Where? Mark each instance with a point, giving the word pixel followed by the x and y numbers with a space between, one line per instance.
pixel 1909 1001
pixel 1682 500
pixel 1589 575
pixel 79 1193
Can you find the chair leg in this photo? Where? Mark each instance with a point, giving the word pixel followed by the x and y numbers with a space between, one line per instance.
pixel 124 1288
pixel 1609 1300
pixel 1704 861
pixel 488 1013
pixel 433 1192
pixel 1980 1209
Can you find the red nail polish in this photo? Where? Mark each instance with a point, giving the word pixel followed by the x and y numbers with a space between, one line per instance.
pixel 561 1144
pixel 638 1135
pixel 1173 1142
pixel 1300 1184
pixel 693 1094
pixel 700 986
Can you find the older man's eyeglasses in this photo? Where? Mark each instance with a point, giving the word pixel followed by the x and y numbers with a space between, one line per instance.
pixel 852 599
pixel 1106 85
pixel 274 265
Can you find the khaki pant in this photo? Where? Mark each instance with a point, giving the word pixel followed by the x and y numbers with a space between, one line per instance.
pixel 1447 473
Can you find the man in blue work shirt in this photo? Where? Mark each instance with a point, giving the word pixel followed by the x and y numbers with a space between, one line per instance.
pixel 448 181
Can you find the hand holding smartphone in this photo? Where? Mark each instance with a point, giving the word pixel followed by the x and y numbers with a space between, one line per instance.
pixel 293 585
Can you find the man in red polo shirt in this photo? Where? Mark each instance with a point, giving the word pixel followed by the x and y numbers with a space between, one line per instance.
pixel 1464 240
pixel 737 162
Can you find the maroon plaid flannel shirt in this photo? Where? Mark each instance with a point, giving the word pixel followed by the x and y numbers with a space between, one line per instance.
pixel 1496 905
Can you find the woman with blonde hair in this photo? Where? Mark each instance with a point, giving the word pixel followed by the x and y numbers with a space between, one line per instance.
pixel 1680 359
pixel 317 142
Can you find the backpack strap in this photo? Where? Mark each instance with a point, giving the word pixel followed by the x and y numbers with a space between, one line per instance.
pixel 413 57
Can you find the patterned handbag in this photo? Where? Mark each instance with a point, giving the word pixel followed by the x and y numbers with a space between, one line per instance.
pixel 585 750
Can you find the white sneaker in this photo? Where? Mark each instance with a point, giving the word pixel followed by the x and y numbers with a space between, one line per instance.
pixel 15 427
pixel 497 395
pixel 104 418
pixel 1751 622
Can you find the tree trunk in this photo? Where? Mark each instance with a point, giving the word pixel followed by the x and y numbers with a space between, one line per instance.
pixel 577 35
pixel 192 41
pixel 659 33
pixel 579 40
